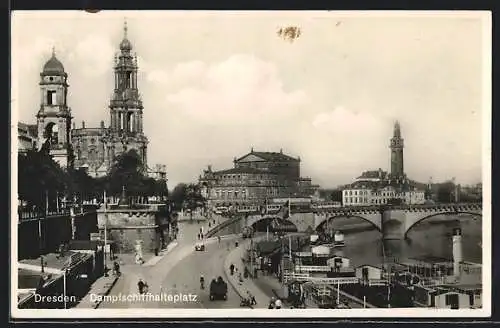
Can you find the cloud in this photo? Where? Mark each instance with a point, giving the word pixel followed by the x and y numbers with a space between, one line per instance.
pixel 343 121
pixel 238 102
pixel 240 89
pixel 95 53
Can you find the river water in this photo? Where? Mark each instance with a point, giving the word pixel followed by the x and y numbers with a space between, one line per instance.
pixel 431 238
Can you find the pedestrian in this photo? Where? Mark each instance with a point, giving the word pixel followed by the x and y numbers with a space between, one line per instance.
pixel 271 303
pixel 255 272
pixel 218 239
pixel 277 304
pixel 251 298
pixel 141 286
pixel 231 269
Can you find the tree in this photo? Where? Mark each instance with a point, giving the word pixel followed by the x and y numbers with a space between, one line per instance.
pixel 178 195
pixel 187 196
pixel 128 172
pixel 40 176
pixel 445 192
pixel 336 195
pixel 83 185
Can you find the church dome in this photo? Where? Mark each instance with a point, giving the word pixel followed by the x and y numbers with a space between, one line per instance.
pixel 53 66
pixel 125 45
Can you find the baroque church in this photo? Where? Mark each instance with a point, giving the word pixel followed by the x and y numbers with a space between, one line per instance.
pixel 91 149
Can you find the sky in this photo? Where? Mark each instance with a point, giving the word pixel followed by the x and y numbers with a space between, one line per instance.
pixel 216 84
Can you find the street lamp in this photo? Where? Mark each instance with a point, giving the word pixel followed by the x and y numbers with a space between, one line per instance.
pixel 64 286
pixel 105 236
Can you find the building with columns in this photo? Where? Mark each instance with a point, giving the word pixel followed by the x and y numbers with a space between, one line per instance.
pixel 93 149
pixel 379 187
pixel 255 177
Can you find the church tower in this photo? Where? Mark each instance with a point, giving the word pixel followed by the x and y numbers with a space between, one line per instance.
pixel 397 145
pixel 54 115
pixel 126 110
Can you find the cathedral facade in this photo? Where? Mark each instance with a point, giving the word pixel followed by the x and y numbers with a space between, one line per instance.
pixel 93 149
pixel 96 148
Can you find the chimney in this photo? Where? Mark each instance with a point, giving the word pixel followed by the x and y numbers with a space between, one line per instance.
pixel 281 150
pixel 74 125
pixel 251 150
pixel 83 124
pixel 457 251
pixel 102 124
pixel 210 168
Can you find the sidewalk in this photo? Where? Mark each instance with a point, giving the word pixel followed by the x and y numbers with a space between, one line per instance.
pixel 158 258
pixel 264 286
pixel 241 288
pixel 101 287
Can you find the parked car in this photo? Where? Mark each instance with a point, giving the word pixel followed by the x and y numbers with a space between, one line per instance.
pixel 199 247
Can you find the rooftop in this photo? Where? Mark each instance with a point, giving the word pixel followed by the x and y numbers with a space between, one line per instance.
pixel 375 174
pixel 242 170
pixel 269 156
pixel 28 279
pixel 53 66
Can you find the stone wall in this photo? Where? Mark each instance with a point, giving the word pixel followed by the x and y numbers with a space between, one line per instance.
pixel 44 235
pixel 303 221
pixel 393 224
pixel 125 227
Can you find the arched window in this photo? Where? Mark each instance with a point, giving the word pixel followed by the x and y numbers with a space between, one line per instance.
pixel 51 133
pixel 92 154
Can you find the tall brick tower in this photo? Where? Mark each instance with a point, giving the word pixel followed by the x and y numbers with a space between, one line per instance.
pixel 396 146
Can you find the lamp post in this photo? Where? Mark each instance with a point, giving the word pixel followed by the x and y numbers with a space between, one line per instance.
pixel 105 236
pixel 64 287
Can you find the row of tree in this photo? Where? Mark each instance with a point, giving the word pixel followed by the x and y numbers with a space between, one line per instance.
pixel 187 196
pixel 41 179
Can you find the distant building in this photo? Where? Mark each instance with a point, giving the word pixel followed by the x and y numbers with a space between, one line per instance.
pixel 380 187
pixel 158 172
pixel 255 177
pixel 26 137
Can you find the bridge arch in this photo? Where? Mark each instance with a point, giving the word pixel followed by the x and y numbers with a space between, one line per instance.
pixel 333 217
pixel 423 218
pixel 260 224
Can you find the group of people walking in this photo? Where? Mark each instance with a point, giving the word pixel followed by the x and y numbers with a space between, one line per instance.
pixel 275 303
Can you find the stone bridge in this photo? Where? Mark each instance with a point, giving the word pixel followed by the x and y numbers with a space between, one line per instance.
pixel 393 221
pixel 396 221
pixel 303 221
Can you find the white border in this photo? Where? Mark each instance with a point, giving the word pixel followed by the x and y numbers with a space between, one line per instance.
pixel 485 311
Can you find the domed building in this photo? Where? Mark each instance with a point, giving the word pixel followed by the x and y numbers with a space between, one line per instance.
pixel 92 149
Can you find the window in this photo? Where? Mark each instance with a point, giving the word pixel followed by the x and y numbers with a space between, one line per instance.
pixel 51 97
pixel 128 84
pixel 452 300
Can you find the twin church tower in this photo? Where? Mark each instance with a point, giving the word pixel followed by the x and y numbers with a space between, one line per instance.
pixel 93 149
